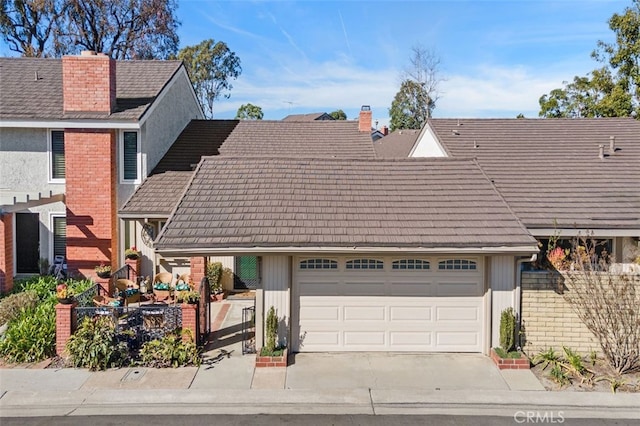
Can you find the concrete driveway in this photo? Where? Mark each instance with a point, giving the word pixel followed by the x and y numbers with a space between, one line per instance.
pixel 393 371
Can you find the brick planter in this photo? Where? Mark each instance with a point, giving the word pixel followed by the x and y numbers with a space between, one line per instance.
pixel 521 363
pixel 272 361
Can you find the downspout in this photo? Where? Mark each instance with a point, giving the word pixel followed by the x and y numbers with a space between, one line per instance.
pixel 518 297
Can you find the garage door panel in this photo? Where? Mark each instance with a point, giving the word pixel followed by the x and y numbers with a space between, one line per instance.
pixel 457 339
pixel 410 313
pixel 364 338
pixel 454 289
pixel 319 288
pixel 457 313
pixel 320 313
pixel 416 289
pixel 363 288
pixel 364 313
pixel 411 338
pixel 320 338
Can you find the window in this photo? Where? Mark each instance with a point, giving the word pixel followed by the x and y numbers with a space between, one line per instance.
pixel 130 155
pixel 57 154
pixel 318 264
pixel 365 264
pixel 457 265
pixel 247 272
pixel 410 264
pixel 59 236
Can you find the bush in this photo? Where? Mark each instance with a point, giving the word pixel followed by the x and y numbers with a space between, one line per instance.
pixel 95 345
pixel 507 329
pixel 12 305
pixel 272 331
pixel 214 275
pixel 31 336
pixel 170 351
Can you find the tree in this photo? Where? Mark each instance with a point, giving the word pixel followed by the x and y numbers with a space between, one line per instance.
pixel 249 112
pixel 211 67
pixel 28 25
pixel 122 29
pixel 424 69
pixel 612 90
pixel 411 107
pixel 338 115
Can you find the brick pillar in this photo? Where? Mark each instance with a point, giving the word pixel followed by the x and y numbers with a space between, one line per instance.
pixel 198 270
pixel 65 325
pixel 190 321
pixel 6 252
pixel 134 268
pixel 91 180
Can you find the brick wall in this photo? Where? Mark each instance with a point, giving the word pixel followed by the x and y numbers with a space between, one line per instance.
pixel 6 252
pixel 198 270
pixel 90 156
pixel 89 83
pixel 65 325
pixel 548 320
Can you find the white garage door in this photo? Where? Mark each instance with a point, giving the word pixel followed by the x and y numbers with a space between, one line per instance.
pixel 388 304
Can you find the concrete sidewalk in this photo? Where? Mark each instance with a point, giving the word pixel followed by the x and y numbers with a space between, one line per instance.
pixel 357 383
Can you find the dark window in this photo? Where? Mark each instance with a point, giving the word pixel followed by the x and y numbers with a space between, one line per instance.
pixel 59 236
pixel 365 264
pixel 130 150
pixel 247 272
pixel 318 264
pixel 57 154
pixel 457 265
pixel 410 264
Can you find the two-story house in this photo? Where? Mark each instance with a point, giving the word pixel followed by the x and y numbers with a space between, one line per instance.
pixel 77 136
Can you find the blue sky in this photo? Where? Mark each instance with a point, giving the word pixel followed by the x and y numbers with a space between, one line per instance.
pixel 497 57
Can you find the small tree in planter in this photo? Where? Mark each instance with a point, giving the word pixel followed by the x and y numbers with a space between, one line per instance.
pixel 272 355
pixel 214 275
pixel 503 356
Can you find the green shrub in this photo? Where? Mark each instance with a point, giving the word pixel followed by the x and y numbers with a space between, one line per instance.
pixel 31 336
pixel 95 346
pixel 170 351
pixel 507 329
pixel 12 305
pixel 43 286
pixel 214 275
pixel 272 331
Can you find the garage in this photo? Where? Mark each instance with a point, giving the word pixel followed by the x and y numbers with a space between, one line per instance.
pixel 400 304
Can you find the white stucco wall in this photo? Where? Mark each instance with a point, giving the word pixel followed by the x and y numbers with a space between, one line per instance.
pixel 276 285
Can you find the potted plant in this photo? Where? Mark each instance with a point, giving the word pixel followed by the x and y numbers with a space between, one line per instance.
pixel 103 271
pixel 272 355
pixel 64 294
pixel 214 275
pixel 132 253
pixel 191 297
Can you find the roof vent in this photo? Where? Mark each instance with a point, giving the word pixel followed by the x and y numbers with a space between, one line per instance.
pixel 455 132
pixel 612 144
pixel 458 124
pixel 475 144
pixel 601 151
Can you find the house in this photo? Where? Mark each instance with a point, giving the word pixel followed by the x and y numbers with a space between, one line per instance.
pixel 413 254
pixel 313 116
pixel 77 136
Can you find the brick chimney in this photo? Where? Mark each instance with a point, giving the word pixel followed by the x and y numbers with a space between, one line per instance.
pixel 364 121
pixel 385 130
pixel 89 83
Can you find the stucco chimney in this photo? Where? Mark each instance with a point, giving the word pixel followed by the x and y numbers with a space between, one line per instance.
pixel 89 83
pixel 364 121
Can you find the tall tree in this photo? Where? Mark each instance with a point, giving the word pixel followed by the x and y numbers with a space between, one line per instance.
pixel 29 25
pixel 123 29
pixel 411 107
pixel 424 69
pixel 338 115
pixel 211 67
pixel 612 90
pixel 249 112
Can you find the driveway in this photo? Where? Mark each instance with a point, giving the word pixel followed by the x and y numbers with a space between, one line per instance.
pixel 393 371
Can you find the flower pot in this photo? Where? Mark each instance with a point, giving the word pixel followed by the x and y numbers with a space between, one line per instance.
pixel 132 257
pixel 65 300
pixel 104 274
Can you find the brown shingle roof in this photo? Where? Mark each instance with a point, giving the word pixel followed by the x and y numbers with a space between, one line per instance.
pixel 25 98
pixel 548 169
pixel 397 144
pixel 313 139
pixel 276 202
pixel 158 195
pixel 308 117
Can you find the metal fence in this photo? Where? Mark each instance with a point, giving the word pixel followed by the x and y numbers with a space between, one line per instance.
pixel 249 330
pixel 141 323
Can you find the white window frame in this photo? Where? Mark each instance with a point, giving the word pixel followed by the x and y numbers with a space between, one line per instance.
pixel 457 264
pixel 52 217
pixel 359 260
pixel 318 264
pixel 138 178
pixel 50 156
pixel 425 265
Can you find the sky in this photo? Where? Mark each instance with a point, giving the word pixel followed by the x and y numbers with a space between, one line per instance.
pixel 497 57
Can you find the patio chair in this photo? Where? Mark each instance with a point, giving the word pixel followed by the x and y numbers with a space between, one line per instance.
pixel 162 286
pixel 129 291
